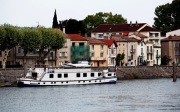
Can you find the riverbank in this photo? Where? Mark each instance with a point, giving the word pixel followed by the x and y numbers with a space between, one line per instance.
pixel 8 77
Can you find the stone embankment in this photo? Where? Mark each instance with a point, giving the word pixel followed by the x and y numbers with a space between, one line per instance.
pixel 147 72
pixel 8 77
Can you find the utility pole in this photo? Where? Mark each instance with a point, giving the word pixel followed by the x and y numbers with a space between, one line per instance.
pixel 174 74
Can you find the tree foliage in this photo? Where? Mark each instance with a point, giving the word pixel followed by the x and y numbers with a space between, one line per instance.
pixel 72 26
pixel 9 38
pixel 167 17
pixel 52 39
pixel 92 21
pixel 119 58
pixel 55 21
pixel 165 60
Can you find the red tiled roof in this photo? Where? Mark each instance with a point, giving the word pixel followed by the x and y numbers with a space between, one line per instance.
pixel 94 41
pixel 117 27
pixel 172 38
pixel 109 42
pixel 76 37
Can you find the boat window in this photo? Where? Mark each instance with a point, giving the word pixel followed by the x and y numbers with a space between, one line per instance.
pixel 109 74
pixel 51 75
pixel 78 75
pixel 65 75
pixel 99 74
pixel 84 74
pixel 59 75
pixel 92 74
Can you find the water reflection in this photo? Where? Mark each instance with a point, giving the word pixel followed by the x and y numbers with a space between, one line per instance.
pixel 157 95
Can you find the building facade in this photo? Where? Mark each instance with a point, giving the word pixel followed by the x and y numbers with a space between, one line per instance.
pixel 171 48
pixel 98 53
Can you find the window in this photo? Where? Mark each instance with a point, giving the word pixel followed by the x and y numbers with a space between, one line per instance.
pixel 62 54
pixel 8 63
pixel 92 54
pixel 19 49
pixel 78 75
pixel 99 74
pixel 147 56
pixel 151 48
pixel 102 47
pixel 65 75
pixel 92 74
pixel 59 75
pixel 109 74
pixel 151 56
pixel 101 54
pixel 81 44
pixel 131 57
pixel 148 48
pixel 156 34
pixel 73 44
pixel 51 75
pixel 150 34
pixel 0 63
pixel 92 47
pixel 100 35
pixel 84 74
pixel 142 51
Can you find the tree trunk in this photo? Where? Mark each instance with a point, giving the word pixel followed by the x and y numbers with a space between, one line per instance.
pixel 6 52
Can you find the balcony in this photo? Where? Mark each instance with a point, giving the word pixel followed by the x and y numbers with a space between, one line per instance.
pixel 112 55
pixel 132 51
pixel 95 58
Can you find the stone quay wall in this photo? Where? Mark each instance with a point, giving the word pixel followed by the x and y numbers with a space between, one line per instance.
pixel 123 73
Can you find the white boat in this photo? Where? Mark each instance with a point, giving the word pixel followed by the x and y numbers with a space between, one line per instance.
pixel 65 76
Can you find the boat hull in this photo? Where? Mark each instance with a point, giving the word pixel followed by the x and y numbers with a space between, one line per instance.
pixel 36 83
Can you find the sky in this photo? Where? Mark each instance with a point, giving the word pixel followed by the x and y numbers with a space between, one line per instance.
pixel 31 13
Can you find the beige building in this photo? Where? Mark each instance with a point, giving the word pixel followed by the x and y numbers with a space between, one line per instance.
pixel 64 54
pixel 171 47
pixel 98 53
pixel 127 46
pixel 112 51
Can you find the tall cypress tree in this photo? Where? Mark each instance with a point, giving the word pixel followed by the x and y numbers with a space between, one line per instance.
pixel 55 22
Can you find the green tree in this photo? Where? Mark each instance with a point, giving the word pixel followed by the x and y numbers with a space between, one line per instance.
pixel 72 26
pixel 31 41
pixel 9 38
pixel 55 21
pixel 52 39
pixel 119 59
pixel 167 17
pixel 92 21
pixel 165 60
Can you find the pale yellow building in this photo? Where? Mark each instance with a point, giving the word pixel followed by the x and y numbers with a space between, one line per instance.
pixel 98 53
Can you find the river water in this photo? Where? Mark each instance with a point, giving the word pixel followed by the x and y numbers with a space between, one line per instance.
pixel 152 95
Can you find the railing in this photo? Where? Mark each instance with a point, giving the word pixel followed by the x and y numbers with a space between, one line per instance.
pixel 95 58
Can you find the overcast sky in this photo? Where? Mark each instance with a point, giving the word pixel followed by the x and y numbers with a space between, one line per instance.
pixel 34 12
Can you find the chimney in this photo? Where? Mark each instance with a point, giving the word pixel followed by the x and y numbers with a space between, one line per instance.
pixel 136 23
pixel 64 30
pixel 130 23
